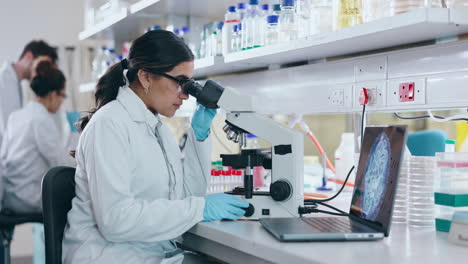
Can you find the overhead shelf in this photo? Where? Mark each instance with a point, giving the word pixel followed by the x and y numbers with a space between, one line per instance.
pixel 104 25
pixel 412 27
pixel 415 26
pixel 200 8
pixel 131 22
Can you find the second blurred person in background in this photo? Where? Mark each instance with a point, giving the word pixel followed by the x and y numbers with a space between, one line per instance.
pixel 32 141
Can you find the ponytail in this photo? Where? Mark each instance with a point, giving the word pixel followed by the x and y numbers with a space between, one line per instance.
pixel 107 90
pixel 156 50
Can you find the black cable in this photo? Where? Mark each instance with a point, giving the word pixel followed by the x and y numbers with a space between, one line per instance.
pixel 308 210
pixel 331 213
pixel 332 207
pixel 426 117
pixel 337 193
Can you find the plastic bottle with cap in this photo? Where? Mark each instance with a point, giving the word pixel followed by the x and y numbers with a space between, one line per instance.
pixel 235 39
pixel 276 10
pixel 287 21
pixel 253 25
pixel 344 157
pixel 217 40
pixel 242 11
pixel 231 18
pixel 450 145
pixel 265 11
pixel 272 31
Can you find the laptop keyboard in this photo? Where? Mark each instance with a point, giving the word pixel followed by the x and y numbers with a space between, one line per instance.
pixel 332 224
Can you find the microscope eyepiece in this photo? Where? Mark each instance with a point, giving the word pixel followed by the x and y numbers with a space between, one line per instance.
pixel 207 95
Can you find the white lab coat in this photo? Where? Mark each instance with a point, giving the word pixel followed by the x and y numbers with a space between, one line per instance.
pixel 129 207
pixel 32 144
pixel 10 94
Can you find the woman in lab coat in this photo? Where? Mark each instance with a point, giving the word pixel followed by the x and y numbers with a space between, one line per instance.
pixel 32 141
pixel 134 196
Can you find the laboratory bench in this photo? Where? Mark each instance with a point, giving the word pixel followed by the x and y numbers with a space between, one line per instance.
pixel 249 242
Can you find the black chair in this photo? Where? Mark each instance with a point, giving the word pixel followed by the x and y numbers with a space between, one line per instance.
pixel 8 221
pixel 58 190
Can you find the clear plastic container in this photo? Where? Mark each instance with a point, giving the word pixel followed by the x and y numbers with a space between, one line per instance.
pixel 253 25
pixel 422 173
pixel 346 13
pixel 400 209
pixel 452 171
pixel 321 16
pixel 302 10
pixel 444 216
pixel 375 9
pixel 344 157
pixel 272 31
pixel 287 21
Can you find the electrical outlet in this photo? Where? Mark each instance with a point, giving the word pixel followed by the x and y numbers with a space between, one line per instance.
pixel 336 97
pixel 406 92
pixel 375 92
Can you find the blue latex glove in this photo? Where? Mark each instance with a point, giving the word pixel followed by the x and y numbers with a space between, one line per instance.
pixel 201 121
pixel 72 117
pixel 223 206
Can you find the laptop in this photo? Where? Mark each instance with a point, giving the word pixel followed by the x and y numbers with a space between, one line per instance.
pixel 372 200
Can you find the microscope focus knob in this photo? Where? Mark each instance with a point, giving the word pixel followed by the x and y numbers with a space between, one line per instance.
pixel 280 190
pixel 249 211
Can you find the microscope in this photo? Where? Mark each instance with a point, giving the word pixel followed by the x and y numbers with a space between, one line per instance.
pixel 284 159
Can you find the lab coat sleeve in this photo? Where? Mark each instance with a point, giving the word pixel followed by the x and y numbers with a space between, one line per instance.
pixel 197 165
pixel 120 216
pixel 49 142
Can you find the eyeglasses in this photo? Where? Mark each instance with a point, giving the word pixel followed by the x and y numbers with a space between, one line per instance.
pixel 181 81
pixel 63 95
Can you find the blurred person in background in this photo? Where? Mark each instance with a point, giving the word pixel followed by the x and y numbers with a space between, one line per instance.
pixel 12 73
pixel 32 141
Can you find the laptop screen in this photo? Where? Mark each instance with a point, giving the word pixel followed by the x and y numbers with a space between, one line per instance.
pixel 377 175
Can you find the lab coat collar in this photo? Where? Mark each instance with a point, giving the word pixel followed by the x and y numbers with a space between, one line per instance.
pixel 9 65
pixel 136 108
pixel 38 107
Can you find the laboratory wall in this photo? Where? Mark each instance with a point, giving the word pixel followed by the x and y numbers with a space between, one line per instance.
pixel 56 21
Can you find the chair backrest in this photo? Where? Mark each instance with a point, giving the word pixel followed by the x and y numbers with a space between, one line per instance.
pixel 426 142
pixel 58 190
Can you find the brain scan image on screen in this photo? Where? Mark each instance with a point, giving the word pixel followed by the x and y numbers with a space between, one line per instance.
pixel 375 176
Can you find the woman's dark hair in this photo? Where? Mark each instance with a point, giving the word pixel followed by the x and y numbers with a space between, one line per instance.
pixel 156 50
pixel 46 78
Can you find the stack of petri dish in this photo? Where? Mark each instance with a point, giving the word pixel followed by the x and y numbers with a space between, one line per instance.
pixel 421 191
pixel 400 209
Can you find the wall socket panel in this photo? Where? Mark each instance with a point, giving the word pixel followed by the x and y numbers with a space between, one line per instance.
pixel 340 96
pixel 375 90
pixel 393 91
